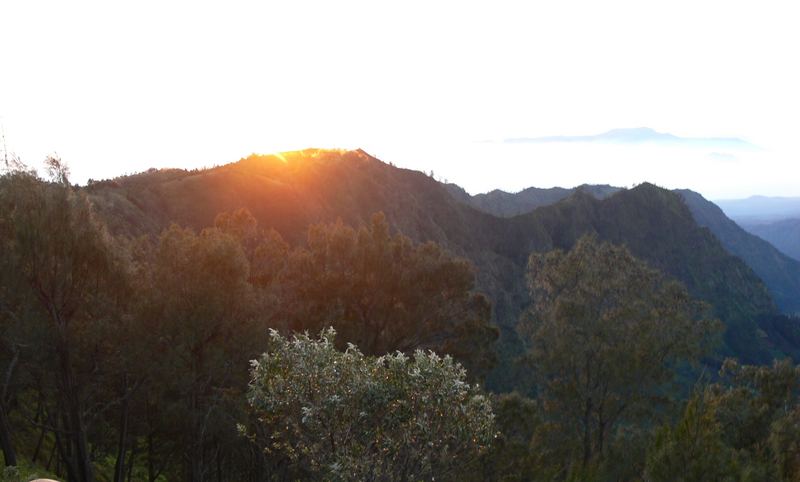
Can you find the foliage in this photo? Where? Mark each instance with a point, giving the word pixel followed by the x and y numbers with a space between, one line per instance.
pixel 203 320
pixel 20 473
pixel 383 293
pixel 693 450
pixel 61 272
pixel 127 358
pixel 348 416
pixel 745 427
pixel 511 455
pixel 605 331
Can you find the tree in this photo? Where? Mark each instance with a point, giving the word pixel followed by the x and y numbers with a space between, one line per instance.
pixel 693 450
pixel 757 408
pixel 605 332
pixel 343 415
pixel 510 456
pixel 384 293
pixel 200 304
pixel 63 272
pixel 746 426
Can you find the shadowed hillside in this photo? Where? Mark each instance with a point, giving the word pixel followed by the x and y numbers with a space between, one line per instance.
pixel 505 204
pixel 783 234
pixel 780 273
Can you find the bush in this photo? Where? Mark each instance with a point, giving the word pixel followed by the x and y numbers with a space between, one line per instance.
pixel 345 415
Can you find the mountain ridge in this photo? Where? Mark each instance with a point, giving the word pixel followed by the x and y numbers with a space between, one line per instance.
pixel 780 272
pixel 297 189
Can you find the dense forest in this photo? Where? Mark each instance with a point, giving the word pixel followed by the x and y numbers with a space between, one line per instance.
pixel 321 315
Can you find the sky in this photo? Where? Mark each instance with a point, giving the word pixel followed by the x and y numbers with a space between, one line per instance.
pixel 119 87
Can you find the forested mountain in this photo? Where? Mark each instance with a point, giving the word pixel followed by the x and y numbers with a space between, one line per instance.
pixel 780 273
pixel 505 204
pixel 783 234
pixel 290 192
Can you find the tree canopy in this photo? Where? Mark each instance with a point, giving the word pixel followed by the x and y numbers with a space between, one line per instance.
pixel 605 333
pixel 381 292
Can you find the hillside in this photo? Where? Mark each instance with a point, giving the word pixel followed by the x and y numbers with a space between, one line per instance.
pixel 311 186
pixel 783 234
pixel 657 226
pixel 505 204
pixel 780 273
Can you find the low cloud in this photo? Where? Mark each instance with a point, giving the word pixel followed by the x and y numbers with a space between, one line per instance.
pixel 638 136
pixel 722 157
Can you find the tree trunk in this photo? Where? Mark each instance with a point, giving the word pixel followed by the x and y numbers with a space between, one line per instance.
pixel 219 463
pixel 119 466
pixel 82 458
pixel 587 433
pixel 52 456
pixel 602 425
pixel 38 446
pixel 77 429
pixel 195 463
pixel 601 439
pixel 132 460
pixel 40 413
pixel 6 443
pixel 151 466
pixel 65 455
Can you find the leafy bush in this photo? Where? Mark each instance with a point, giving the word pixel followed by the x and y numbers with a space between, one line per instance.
pixel 346 415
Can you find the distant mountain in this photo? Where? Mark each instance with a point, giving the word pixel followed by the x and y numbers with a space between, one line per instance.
pixel 780 273
pixel 640 135
pixel 297 189
pixel 761 209
pixel 783 234
pixel 504 204
pixel 657 226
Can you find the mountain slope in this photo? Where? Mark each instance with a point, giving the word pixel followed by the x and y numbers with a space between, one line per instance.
pixel 296 189
pixel 780 273
pixel 783 234
pixel 504 204
pixel 656 226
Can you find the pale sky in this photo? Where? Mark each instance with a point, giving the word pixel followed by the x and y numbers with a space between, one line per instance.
pixel 118 87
